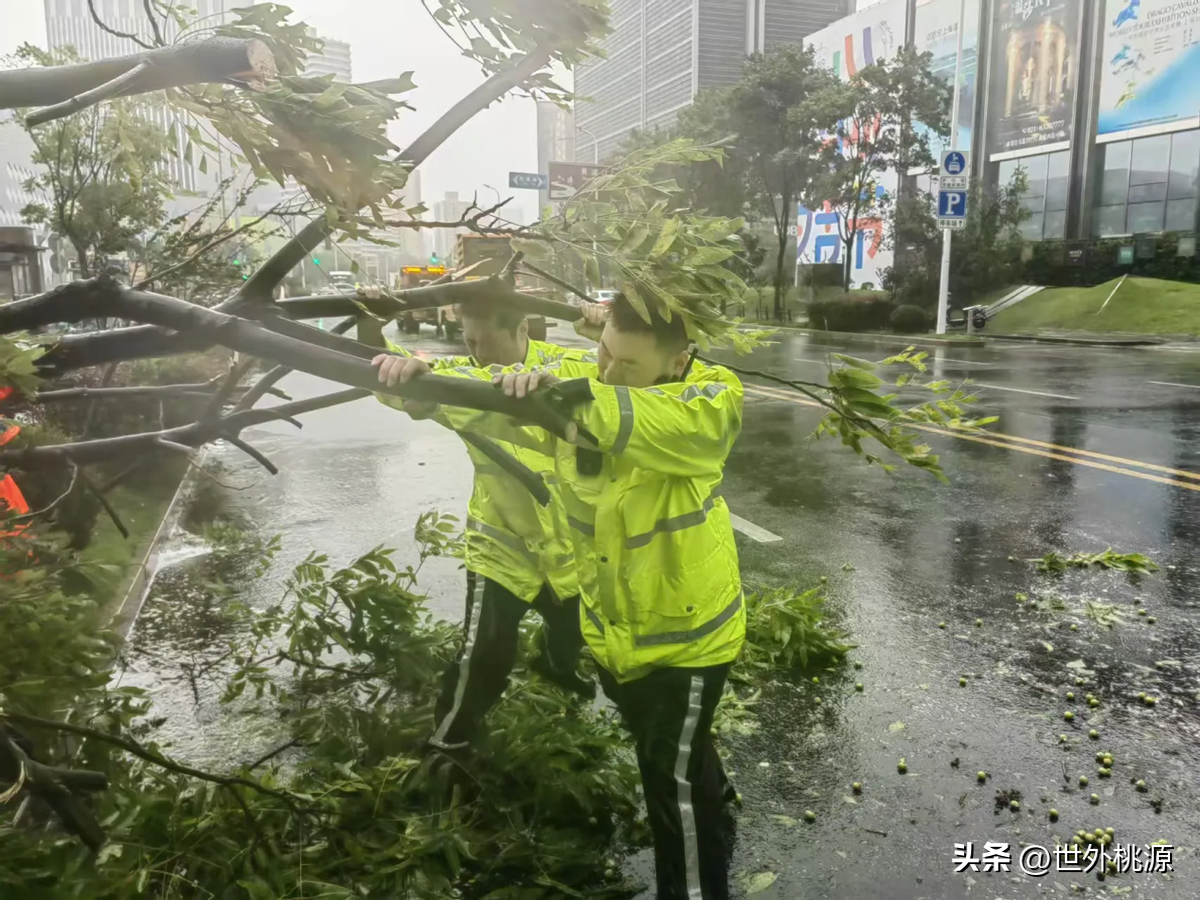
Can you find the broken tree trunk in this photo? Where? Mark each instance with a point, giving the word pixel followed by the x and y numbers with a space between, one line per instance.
pixel 246 63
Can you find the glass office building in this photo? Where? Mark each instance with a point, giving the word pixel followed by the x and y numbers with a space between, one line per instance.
pixel 660 53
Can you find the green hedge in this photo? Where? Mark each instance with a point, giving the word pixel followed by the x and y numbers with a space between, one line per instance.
pixel 849 314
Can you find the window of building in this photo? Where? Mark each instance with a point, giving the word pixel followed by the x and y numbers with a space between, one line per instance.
pixel 1047 186
pixel 1148 185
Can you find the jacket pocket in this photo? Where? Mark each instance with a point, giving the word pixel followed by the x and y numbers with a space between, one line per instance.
pixel 676 567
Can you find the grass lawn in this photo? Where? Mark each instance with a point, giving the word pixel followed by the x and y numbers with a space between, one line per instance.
pixel 141 503
pixel 1141 306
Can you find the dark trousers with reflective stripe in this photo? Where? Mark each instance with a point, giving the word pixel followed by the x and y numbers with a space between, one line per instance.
pixel 472 685
pixel 670 712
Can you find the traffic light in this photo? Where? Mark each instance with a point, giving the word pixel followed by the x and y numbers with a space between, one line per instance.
pixel 433 260
pixel 316 262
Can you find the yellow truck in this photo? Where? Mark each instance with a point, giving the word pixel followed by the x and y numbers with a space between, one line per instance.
pixel 494 251
pixel 442 318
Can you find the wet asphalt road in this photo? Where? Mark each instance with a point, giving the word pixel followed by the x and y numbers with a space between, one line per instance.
pixel 918 553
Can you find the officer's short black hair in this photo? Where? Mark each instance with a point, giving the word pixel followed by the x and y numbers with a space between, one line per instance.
pixel 671 335
pixel 504 318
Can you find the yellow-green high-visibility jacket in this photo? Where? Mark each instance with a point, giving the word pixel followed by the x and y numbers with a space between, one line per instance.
pixel 654 547
pixel 510 538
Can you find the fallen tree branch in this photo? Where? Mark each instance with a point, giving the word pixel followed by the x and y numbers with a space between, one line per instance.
pixel 50 785
pixel 108 507
pixel 108 90
pixel 254 454
pixel 553 279
pixel 78 351
pixel 245 63
pixel 199 389
pixel 133 748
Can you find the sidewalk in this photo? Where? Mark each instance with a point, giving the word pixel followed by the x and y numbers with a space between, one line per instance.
pixel 1085 340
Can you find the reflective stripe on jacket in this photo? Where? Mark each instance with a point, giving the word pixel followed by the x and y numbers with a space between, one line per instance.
pixel 510 538
pixel 654 547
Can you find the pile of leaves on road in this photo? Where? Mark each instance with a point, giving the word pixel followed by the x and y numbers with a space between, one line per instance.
pixel 347 664
pixel 1137 563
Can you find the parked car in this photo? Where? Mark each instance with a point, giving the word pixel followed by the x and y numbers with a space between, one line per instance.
pixel 604 296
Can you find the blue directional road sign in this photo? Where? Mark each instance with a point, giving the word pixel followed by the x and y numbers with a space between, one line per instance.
pixel 528 180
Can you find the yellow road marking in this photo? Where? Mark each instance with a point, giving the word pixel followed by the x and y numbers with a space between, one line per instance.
pixel 776 394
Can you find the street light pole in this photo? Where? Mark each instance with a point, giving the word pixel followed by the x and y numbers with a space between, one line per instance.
pixel 944 282
pixel 595 144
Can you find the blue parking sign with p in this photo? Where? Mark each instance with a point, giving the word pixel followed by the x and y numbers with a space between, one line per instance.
pixel 952 204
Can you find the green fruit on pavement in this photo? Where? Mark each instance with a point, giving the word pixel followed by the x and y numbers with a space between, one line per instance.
pixel 810 816
pixel 1070 695
pixel 1014 805
pixel 1069 716
pixel 1083 781
pixel 1094 734
pixel 1053 815
pixel 982 776
pixel 856 787
pixel 1095 799
pixel 858 686
pixel 962 682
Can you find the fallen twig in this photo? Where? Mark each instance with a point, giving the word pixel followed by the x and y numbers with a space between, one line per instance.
pixel 135 749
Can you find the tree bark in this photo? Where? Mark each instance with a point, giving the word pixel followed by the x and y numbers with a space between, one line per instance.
pixel 215 59
pixel 780 287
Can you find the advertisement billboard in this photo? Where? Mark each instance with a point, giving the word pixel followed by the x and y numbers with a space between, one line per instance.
pixel 1150 83
pixel 862 38
pixel 1034 74
pixel 936 32
pixel 855 42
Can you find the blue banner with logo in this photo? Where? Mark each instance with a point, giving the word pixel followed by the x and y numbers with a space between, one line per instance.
pixel 1150 82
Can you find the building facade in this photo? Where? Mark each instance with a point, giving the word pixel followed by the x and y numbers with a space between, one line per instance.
pixel 334 59
pixel 661 53
pixel 450 208
pixel 1096 102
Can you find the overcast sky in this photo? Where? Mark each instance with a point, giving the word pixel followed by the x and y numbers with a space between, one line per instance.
pixel 388 37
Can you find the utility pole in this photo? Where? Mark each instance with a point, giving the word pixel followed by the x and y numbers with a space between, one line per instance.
pixel 944 282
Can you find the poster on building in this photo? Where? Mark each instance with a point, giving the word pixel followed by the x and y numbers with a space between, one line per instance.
pixel 935 26
pixel 1150 80
pixel 1033 76
pixel 862 38
pixel 855 42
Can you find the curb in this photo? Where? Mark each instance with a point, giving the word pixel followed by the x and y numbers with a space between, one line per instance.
pixel 1080 342
pixel 126 614
pixel 872 337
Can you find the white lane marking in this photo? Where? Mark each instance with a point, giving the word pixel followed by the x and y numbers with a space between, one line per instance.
pixel 752 531
pixel 1174 384
pixel 997 387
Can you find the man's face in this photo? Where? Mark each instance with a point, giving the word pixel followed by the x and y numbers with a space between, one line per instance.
pixel 635 359
pixel 492 345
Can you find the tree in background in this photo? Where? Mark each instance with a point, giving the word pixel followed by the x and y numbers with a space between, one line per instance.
pixel 779 110
pixel 98 172
pixel 986 254
pixel 875 111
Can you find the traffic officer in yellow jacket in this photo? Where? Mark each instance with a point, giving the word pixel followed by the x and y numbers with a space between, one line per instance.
pixel 517 553
pixel 658 570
